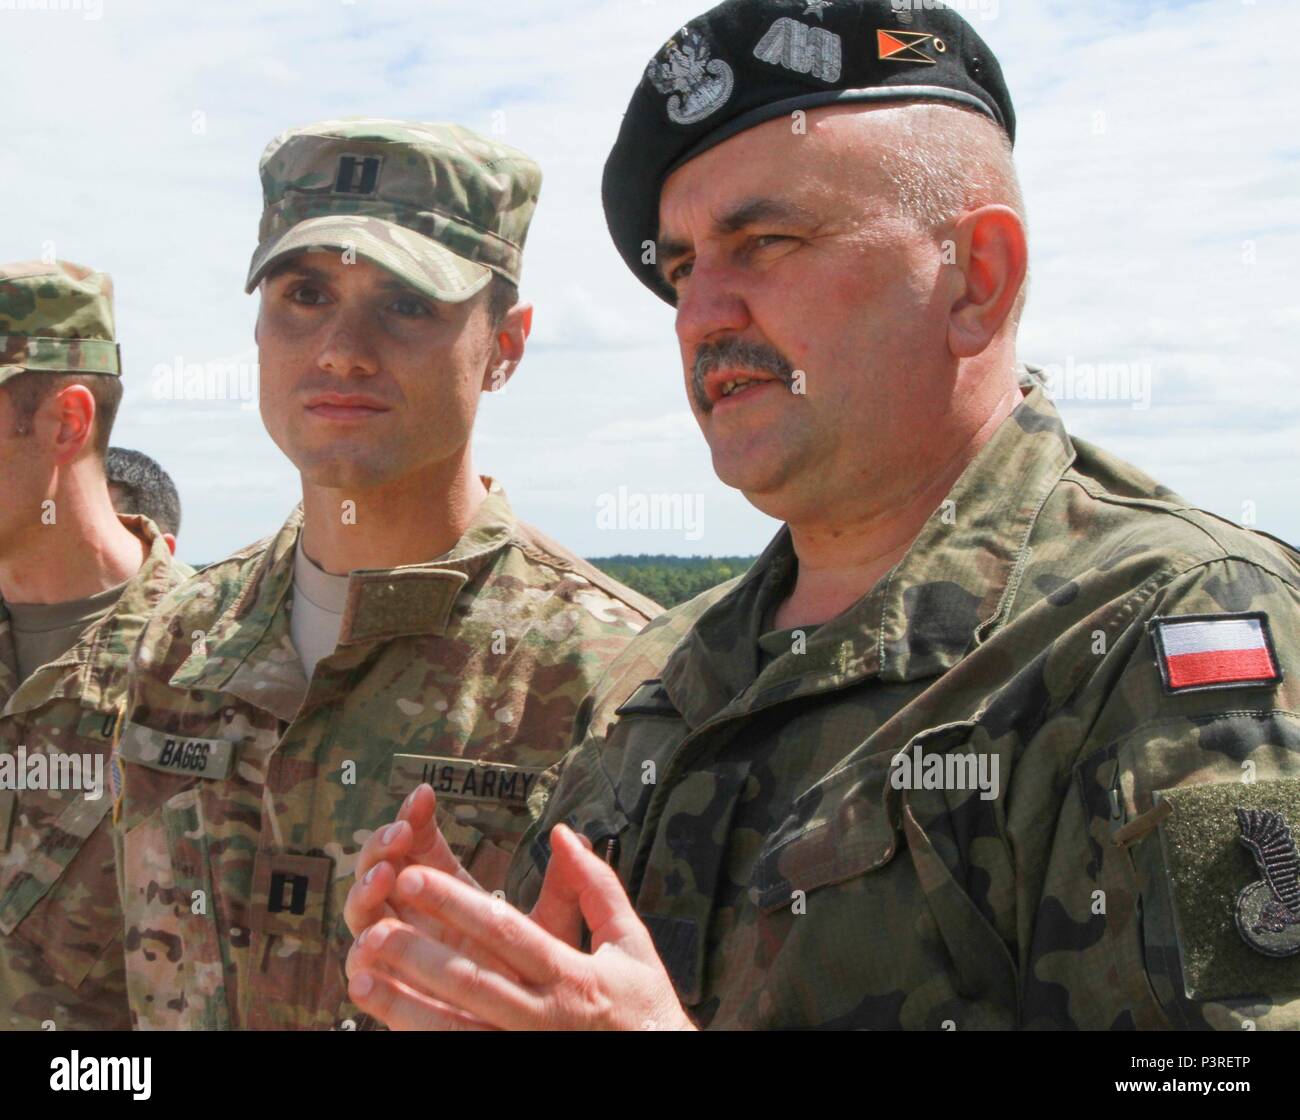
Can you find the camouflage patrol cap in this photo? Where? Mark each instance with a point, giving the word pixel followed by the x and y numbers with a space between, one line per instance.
pixel 438 205
pixel 56 318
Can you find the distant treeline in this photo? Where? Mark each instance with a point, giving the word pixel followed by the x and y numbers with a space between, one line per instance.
pixel 670 580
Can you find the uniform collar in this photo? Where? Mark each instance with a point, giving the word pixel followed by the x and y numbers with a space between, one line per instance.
pixel 93 671
pixel 947 595
pixel 383 603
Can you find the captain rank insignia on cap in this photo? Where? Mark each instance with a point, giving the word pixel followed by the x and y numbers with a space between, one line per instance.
pixel 358 174
pixel 1268 910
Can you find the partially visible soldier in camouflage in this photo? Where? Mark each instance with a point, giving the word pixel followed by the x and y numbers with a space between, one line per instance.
pixel 138 484
pixel 402 627
pixel 76 582
pixel 997 732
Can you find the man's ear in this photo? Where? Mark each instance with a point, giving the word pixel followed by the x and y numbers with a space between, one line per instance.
pixel 509 339
pixel 71 411
pixel 170 538
pixel 993 258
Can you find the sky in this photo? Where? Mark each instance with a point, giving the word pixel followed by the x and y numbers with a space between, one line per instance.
pixel 1158 146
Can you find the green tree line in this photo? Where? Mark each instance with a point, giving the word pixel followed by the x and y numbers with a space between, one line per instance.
pixel 670 580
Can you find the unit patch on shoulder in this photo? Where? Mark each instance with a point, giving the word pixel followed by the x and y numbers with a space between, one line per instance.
pixel 1204 651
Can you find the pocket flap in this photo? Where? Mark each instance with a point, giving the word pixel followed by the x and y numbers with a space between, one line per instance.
pixel 839 829
pixel 38 867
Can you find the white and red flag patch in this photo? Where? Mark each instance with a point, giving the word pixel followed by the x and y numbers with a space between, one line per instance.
pixel 1215 651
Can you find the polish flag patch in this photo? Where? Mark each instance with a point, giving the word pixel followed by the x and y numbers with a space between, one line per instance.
pixel 1198 652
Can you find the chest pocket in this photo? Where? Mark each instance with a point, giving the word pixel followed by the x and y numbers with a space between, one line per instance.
pixel 57 888
pixel 836 831
pixel 854 822
pixel 483 807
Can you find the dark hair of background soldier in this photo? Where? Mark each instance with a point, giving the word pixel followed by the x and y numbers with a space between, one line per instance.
pixel 144 488
pixel 502 296
pixel 31 389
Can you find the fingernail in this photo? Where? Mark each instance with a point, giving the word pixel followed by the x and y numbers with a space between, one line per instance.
pixel 369 877
pixel 409 798
pixel 362 983
pixel 375 936
pixel 390 833
pixel 408 886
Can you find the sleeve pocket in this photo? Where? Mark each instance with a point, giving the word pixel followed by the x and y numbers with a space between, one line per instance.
pixel 70 928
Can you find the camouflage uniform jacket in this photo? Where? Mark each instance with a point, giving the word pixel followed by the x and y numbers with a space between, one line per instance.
pixel 60 923
pixel 794 875
pixel 248 791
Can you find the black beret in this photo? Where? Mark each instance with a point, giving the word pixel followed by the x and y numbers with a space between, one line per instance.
pixel 747 61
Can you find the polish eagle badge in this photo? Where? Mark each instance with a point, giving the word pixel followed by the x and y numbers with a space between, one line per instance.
pixel 696 84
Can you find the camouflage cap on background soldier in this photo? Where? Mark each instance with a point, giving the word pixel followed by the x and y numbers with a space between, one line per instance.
pixel 56 317
pixel 438 205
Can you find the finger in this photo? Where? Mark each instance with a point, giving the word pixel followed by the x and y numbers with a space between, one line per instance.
pixel 557 910
pixel 434 930
pixel 390 843
pixel 370 899
pixel 602 900
pixel 428 845
pixel 453 978
pixel 490 923
pixel 401 1009
pixel 367 899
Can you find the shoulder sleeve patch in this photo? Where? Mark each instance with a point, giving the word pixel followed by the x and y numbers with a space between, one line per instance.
pixel 1232 870
pixel 1199 652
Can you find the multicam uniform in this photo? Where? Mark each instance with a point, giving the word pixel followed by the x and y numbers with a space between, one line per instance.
pixel 61 960
pixel 248 791
pixel 1078 670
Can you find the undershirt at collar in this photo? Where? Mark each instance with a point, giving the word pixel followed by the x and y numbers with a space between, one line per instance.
pixel 316 617
pixel 44 632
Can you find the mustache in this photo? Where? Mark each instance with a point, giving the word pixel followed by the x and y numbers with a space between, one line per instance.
pixel 739 354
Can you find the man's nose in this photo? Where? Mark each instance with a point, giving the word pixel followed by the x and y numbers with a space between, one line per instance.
pixel 349 348
pixel 711 305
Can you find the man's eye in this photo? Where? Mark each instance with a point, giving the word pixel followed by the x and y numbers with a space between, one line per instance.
pixel 680 272
pixel 410 307
pixel 306 293
pixel 765 239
